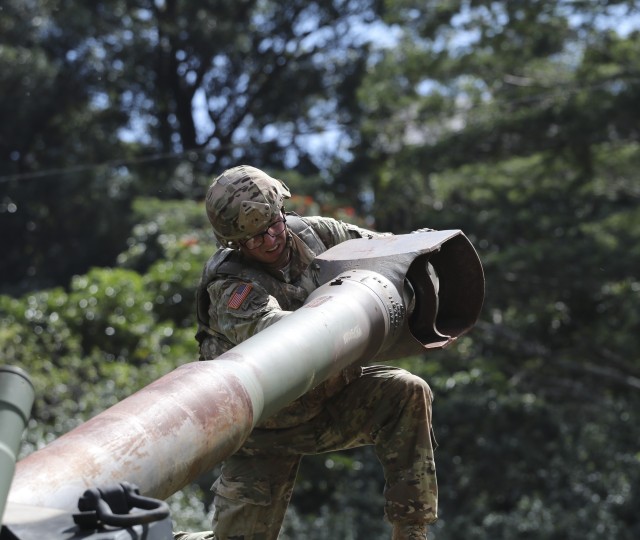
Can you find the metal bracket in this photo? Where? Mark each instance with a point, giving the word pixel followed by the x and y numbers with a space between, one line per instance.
pixel 111 506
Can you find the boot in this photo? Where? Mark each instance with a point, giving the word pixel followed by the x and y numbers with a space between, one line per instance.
pixel 409 531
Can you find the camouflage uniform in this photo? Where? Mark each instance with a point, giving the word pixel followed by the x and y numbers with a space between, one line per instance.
pixel 384 406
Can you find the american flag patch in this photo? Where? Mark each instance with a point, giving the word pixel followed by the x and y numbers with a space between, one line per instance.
pixel 239 295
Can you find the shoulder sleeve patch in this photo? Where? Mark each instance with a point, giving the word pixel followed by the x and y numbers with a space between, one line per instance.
pixel 239 295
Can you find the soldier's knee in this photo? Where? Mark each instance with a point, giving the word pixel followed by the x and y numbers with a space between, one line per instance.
pixel 416 388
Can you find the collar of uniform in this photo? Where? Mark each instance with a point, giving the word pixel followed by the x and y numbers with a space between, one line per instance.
pixel 301 257
pixel 301 253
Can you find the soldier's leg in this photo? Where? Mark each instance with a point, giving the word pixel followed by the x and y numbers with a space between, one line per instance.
pixel 254 489
pixel 391 409
pixel 387 407
pixel 252 495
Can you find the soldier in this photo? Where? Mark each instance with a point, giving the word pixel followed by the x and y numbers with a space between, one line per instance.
pixel 263 271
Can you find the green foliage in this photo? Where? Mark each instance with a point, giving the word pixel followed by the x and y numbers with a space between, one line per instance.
pixel 170 244
pixel 114 331
pixel 477 84
pixel 89 348
pixel 55 124
pixel 522 138
pixel 105 101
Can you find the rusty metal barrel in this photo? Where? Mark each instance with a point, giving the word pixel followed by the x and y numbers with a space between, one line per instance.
pixel 382 298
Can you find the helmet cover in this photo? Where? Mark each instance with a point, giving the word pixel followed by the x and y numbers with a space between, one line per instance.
pixel 242 202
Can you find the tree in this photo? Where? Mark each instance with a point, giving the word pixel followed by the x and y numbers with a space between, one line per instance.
pixel 485 81
pixel 56 214
pixel 109 99
pixel 513 121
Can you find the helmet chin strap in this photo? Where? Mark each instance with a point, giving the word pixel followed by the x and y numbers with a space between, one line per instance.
pixel 227 243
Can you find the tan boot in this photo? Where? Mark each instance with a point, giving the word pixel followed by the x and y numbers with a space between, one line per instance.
pixel 409 531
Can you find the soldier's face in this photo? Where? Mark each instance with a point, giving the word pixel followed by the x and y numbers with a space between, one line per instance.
pixel 273 249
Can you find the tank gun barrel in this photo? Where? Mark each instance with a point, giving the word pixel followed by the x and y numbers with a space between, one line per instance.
pixel 16 400
pixel 380 299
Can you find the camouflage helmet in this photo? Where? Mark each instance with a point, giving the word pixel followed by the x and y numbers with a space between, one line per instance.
pixel 242 202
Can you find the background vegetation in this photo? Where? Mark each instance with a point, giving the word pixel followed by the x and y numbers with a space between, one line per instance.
pixel 515 121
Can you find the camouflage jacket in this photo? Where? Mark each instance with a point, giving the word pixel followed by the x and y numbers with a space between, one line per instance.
pixel 237 298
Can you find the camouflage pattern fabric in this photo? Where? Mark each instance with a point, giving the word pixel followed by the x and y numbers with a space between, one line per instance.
pixel 382 406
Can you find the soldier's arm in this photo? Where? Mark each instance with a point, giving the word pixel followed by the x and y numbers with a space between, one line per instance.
pixel 240 309
pixel 333 232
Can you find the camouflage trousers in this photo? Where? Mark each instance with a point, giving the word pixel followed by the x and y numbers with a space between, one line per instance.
pixel 386 407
